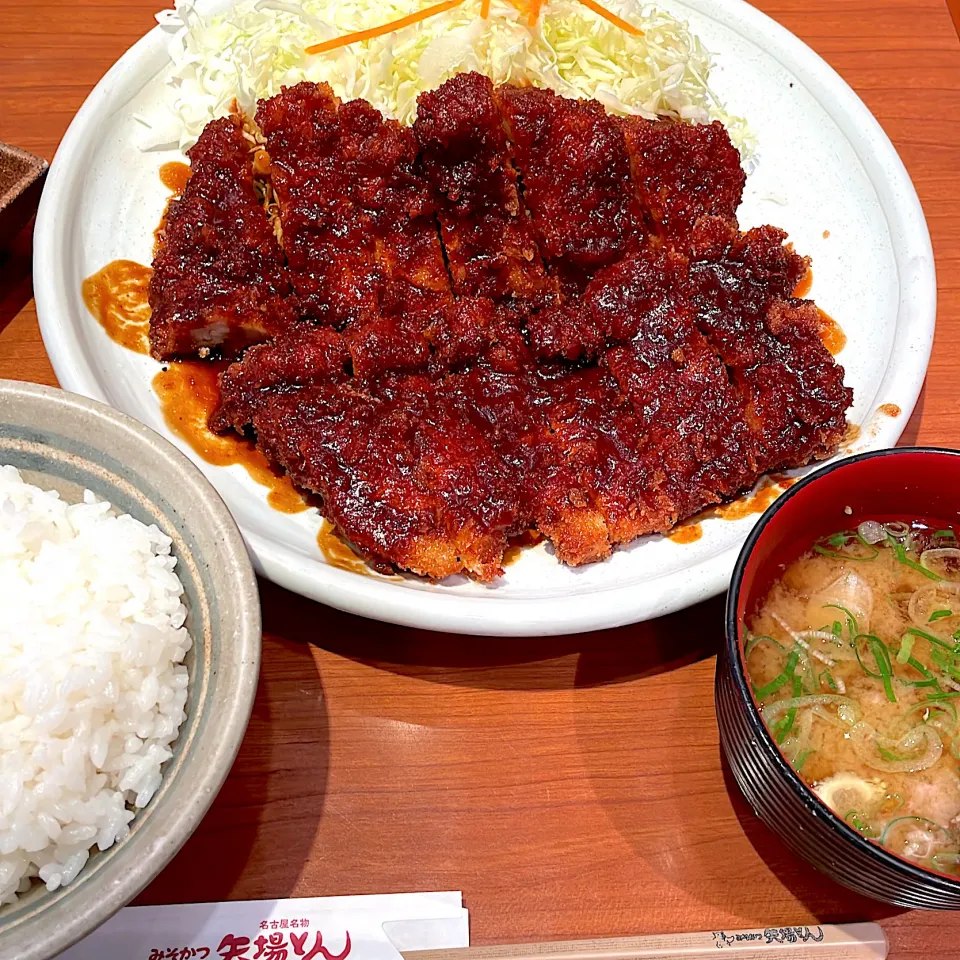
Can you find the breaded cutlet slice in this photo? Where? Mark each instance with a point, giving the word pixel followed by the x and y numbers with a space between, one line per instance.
pixel 693 418
pixel 466 157
pixel 733 279
pixel 796 398
pixel 573 161
pixel 613 307
pixel 595 484
pixel 740 286
pixel 218 280
pixel 329 249
pixel 681 172
pixel 287 364
pixel 357 221
pixel 406 478
pixel 576 444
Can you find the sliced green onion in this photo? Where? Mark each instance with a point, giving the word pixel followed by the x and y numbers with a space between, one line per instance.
pixel 831 683
pixel 753 641
pixel 843 539
pixel 945 707
pixel 837 628
pixel 802 759
pixel 851 619
pixel 943 695
pixel 785 677
pixel 939 615
pixel 917 820
pixel 945 534
pixel 881 656
pixel 853 818
pixel 917 632
pixel 929 679
pixel 906 647
pixel 784 725
pixel 901 555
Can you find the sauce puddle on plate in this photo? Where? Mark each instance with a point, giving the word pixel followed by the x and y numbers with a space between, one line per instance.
pixel 756 502
pixel 801 290
pixel 117 297
pixel 338 553
pixel 831 335
pixel 188 394
pixel 174 176
pixel 686 533
pixel 689 531
pixel 518 544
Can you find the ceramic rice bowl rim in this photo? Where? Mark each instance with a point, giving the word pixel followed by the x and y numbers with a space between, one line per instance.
pixel 763 739
pixel 116 456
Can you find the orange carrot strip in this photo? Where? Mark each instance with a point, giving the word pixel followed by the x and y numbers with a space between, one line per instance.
pixel 484 9
pixel 612 17
pixel 412 18
pixel 534 13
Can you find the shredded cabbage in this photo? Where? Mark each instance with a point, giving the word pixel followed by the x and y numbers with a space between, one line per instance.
pixel 257 46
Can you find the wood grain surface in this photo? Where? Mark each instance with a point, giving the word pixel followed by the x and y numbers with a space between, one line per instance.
pixel 570 787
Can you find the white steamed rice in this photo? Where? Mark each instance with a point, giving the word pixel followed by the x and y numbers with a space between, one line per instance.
pixel 92 682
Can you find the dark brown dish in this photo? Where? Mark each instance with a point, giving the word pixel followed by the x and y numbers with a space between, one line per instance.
pixel 21 180
pixel 521 313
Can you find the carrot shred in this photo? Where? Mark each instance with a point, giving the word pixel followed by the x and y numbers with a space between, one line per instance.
pixel 612 17
pixel 533 14
pixel 373 32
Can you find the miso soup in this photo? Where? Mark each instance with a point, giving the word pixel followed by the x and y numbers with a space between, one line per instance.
pixel 854 657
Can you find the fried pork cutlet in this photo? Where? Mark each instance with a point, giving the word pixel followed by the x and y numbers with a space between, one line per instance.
pixel 691 413
pixel 681 172
pixel 741 287
pixel 357 223
pixel 434 422
pixel 573 161
pixel 218 278
pixel 465 155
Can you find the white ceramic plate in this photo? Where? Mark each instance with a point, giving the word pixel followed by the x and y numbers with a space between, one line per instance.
pixel 825 167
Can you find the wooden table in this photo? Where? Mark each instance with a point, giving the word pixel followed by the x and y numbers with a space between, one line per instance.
pixel 571 787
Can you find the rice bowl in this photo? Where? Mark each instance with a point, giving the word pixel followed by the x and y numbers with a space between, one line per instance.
pixel 65 443
pixel 92 682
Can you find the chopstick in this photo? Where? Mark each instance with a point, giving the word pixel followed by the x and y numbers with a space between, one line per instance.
pixel 850 941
